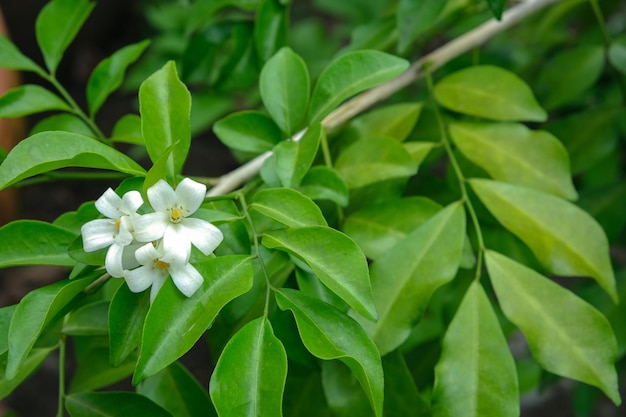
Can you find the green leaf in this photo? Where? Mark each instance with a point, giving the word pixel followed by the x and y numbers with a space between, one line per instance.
pixel 490 92
pixel 419 150
pixel 323 183
pixel 350 74
pixel 374 159
pixel 617 54
pixel 378 228
pixel 12 58
pixel 284 85
pixel 128 130
pixel 476 374
pixel 404 279
pixel 567 76
pixel 248 131
pixel 109 74
pixel 270 29
pixel 414 17
pixel 127 315
pixel 30 365
pixel 48 151
pixel 175 323
pixel 288 207
pixel 63 121
pixel 88 320
pixel 564 238
pixel 57 25
pixel 293 159
pixel 30 99
pixel 566 335
pixel 497 7
pixel 165 108
pixel 177 391
pixel 112 404
pixel 33 314
pixel 338 262
pixel 343 392
pixel 250 375
pixel 511 152
pixel 6 313
pixel 401 395
pixel 394 121
pixel 32 242
pixel 329 334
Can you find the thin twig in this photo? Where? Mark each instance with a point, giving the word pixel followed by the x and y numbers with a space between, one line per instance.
pixel 365 100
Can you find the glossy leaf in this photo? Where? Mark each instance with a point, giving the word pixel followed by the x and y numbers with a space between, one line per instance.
pixel 475 375
pixel 250 375
pixel 248 131
pixel 165 108
pixel 288 207
pixel 284 85
pixel 415 17
pixel 374 159
pixel 12 58
pixel 127 314
pixel 378 228
pixel 566 335
pixel 177 391
pixel 270 30
pixel 48 151
pixel 53 36
pixel 63 121
pixel 404 279
pixel 567 76
pixel 6 313
pixel 323 183
pixel 394 121
pixel 36 310
pixel 350 74
pixel 329 334
pixel 338 262
pixel 175 323
pixel 88 320
pixel 109 74
pixel 128 130
pixel 564 238
pixel 515 154
pixel 30 365
pixel 112 404
pixel 32 242
pixel 293 159
pixel 617 54
pixel 30 99
pixel 489 92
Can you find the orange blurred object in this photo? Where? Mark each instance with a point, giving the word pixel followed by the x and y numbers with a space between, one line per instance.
pixel 11 131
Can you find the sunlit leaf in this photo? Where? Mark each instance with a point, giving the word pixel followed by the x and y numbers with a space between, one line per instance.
pixel 564 238
pixel 30 99
pixel 248 131
pixel 489 92
pixel 394 121
pixel 475 375
pixel 288 207
pixel 293 159
pixel 566 335
pixel 329 334
pixel 323 183
pixel 63 121
pixel 250 375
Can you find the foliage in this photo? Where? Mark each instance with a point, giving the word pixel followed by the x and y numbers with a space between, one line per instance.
pixel 374 263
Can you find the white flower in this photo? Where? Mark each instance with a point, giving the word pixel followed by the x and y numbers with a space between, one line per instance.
pixel 115 231
pixel 156 266
pixel 171 220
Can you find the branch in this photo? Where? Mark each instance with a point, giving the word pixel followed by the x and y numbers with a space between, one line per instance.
pixel 365 100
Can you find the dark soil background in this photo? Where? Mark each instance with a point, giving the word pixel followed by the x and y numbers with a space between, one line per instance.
pixel 113 24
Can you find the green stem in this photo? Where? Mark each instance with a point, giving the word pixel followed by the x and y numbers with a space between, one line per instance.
pixel 61 400
pixel 461 180
pixel 257 252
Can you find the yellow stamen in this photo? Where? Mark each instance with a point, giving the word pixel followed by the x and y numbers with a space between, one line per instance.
pixel 118 222
pixel 162 265
pixel 176 215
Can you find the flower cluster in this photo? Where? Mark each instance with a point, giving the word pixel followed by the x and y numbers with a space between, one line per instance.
pixel 145 249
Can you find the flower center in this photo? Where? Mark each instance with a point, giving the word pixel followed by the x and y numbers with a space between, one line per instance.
pixel 118 222
pixel 162 264
pixel 176 215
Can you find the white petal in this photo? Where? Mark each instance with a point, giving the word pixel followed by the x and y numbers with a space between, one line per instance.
pixel 128 256
pixel 161 196
pixel 156 286
pixel 131 201
pixel 146 254
pixel 150 227
pixel 97 234
pixel 124 236
pixel 109 204
pixel 187 278
pixel 176 244
pixel 141 278
pixel 190 195
pixel 113 261
pixel 203 234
